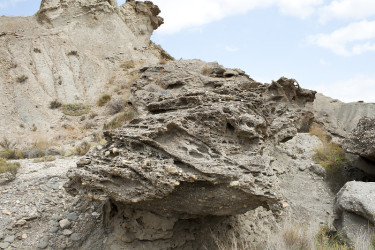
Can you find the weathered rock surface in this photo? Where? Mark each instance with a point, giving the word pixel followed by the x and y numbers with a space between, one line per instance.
pixel 340 118
pixel 361 141
pixel 201 146
pixel 355 208
pixel 69 51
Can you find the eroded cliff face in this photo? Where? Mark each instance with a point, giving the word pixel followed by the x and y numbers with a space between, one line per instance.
pixel 68 51
pixel 201 148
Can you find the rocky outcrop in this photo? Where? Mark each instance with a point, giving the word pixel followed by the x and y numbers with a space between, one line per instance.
pixel 361 140
pixel 69 51
pixel 355 209
pixel 340 118
pixel 201 146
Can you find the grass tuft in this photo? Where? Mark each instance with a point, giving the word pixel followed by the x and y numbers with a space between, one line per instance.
pixel 332 157
pixel 128 65
pixel 121 119
pixel 55 104
pixel 44 159
pixel 22 79
pixel 75 109
pixel 103 100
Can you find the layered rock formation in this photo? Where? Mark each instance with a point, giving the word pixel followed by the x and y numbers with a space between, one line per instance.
pixel 201 146
pixel 68 51
pixel 340 118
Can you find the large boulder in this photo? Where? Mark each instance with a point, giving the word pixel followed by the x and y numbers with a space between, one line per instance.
pixel 361 141
pixel 355 209
pixel 201 145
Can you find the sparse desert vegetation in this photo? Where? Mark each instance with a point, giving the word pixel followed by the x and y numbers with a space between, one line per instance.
pixel 115 106
pixel 331 156
pixel 55 104
pixel 11 167
pixel 22 79
pixel 127 115
pixel 75 109
pixel 127 65
pixel 104 99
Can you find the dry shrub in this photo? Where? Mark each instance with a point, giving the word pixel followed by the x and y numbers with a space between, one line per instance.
pixel 128 65
pixel 104 99
pixel 231 243
pixel 296 237
pixel 39 148
pixel 11 167
pixel 22 79
pixel 75 109
pixel 121 119
pixel 115 106
pixel 55 104
pixel 9 151
pixel 206 70
pixel 163 61
pixel 82 148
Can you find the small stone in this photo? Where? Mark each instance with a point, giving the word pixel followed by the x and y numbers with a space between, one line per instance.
pixel 7 212
pixel 4 245
pixel 9 239
pixel 318 170
pixel 54 230
pixel 302 168
pixel 75 237
pixel 72 217
pixel 67 232
pixel 95 214
pixel 1 235
pixel 43 245
pixel 24 236
pixel 20 223
pixel 65 223
pixel 62 246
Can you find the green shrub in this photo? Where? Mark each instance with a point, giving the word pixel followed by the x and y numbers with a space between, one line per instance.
pixel 11 167
pixel 55 104
pixel 45 159
pixel 103 100
pixel 326 238
pixel 75 109
pixel 120 119
pixel 22 79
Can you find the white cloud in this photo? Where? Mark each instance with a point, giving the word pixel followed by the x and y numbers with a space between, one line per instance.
pixel 347 9
pixel 354 39
pixel 180 14
pixel 230 48
pixel 323 62
pixel 358 88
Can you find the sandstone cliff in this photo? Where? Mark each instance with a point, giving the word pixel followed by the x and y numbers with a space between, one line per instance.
pixel 69 51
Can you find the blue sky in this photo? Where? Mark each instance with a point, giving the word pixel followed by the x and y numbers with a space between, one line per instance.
pixel 328 46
